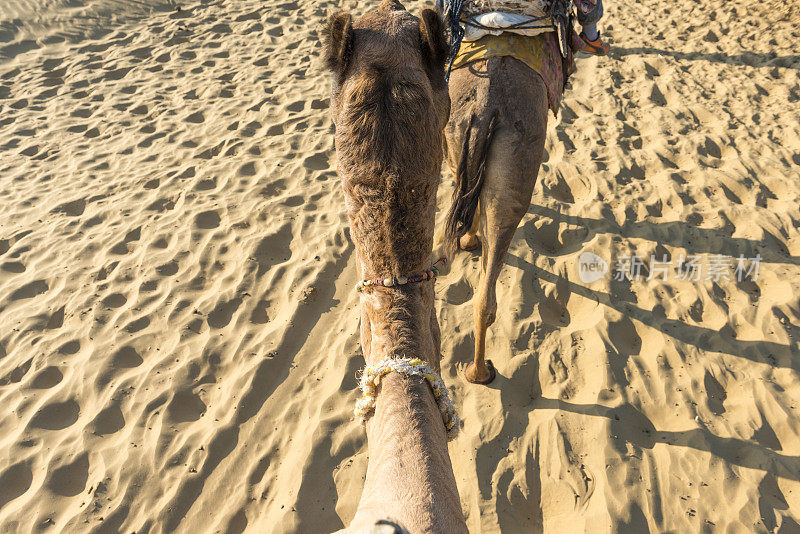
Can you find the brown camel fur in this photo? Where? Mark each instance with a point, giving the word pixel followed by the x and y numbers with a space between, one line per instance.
pixel 389 105
pixel 495 141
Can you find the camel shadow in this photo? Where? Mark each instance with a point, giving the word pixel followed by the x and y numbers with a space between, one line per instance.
pixel 705 339
pixel 517 511
pixel 626 424
pixel 748 59
pixel 626 427
pixel 675 234
pixel 629 425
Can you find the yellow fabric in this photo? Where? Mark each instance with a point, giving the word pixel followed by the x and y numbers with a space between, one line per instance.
pixel 529 50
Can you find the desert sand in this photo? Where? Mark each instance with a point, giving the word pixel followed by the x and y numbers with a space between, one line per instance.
pixel 178 320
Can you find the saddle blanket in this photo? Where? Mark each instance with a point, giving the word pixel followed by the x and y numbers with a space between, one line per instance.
pixel 539 52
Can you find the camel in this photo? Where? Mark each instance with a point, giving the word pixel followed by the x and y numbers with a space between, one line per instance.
pixel 495 143
pixel 389 104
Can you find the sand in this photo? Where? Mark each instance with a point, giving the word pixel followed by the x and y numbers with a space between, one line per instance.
pixel 178 320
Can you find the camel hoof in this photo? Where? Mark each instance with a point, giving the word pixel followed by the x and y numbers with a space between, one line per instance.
pixel 473 378
pixel 469 242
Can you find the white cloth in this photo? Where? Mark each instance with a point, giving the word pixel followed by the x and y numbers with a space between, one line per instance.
pixel 500 22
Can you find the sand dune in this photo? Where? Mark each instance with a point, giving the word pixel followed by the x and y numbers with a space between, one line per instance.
pixel 179 333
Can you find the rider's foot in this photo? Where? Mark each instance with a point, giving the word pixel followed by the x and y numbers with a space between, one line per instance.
pixel 596 47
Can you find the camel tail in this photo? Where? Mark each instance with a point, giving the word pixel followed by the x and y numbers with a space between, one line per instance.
pixel 470 175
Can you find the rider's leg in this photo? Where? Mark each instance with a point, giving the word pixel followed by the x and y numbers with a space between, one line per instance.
pixel 590 34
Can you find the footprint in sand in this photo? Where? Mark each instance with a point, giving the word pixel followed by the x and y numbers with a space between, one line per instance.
pixel 248 169
pixel 251 128
pixel 296 106
pixel 650 71
pixel 294 201
pixel 56 319
pixel 25 132
pixel 15 481
pixel 17 374
pixel 274 188
pixel 168 269
pixel 70 347
pixel 552 238
pixel 109 420
pixel 137 325
pixel 624 337
pixel 122 247
pixel 317 162
pixel 30 290
pixel 207 220
pixel 126 357
pixel 556 186
pixel 13 267
pixel 47 378
pixel 30 151
pixel 206 185
pixel 553 312
pixel 259 314
pixel 69 480
pixel 273 249
pixel 185 407
pixel 276 129
pixel 115 300
pixel 56 415
pixel 140 110
pixel 627 174
pixel 459 292
pixel 656 96
pixel 715 394
pixel 196 118
pixel 222 314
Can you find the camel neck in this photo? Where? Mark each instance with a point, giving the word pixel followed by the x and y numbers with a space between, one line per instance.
pixel 409 477
pixel 399 324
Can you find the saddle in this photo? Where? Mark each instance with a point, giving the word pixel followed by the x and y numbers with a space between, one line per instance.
pixel 526 17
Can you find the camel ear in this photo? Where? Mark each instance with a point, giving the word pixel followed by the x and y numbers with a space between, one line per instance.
pixel 435 47
pixel 339 45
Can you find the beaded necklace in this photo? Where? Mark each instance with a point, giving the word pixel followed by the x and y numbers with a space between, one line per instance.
pixel 428 274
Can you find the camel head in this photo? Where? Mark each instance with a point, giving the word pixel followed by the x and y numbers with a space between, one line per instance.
pixel 390 44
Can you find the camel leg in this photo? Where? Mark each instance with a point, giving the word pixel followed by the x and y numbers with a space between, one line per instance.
pixel 501 223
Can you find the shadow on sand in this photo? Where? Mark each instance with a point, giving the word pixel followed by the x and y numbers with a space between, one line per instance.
pixel 626 425
pixel 749 59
